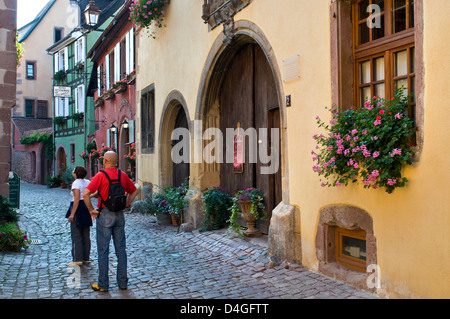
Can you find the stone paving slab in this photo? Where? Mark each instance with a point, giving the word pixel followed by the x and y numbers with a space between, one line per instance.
pixel 162 264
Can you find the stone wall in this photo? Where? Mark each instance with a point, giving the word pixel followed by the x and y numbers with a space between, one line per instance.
pixel 8 27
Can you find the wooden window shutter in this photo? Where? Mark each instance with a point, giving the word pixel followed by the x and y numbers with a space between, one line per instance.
pixel 107 72
pixel 131 131
pixel 66 58
pixel 108 137
pixel 42 109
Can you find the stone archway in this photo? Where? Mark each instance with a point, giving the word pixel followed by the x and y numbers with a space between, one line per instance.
pixel 61 158
pixel 175 115
pixel 221 72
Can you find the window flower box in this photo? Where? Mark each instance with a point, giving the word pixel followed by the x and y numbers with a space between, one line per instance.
pixel 148 15
pixel 77 116
pixel 99 102
pixel 120 86
pixel 60 76
pixel 131 78
pixel 372 144
pixel 108 95
pixel 59 120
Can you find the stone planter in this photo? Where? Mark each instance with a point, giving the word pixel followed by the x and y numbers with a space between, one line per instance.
pixel 163 219
pixel 251 231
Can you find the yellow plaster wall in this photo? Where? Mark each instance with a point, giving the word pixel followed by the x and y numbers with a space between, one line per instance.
pixel 412 225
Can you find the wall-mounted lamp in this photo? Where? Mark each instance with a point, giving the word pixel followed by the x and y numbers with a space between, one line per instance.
pixel 125 124
pixel 113 128
pixel 92 13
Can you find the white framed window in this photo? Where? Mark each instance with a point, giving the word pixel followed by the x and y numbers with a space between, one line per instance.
pixel 129 39
pixel 79 99
pixel 61 106
pixel 117 62
pixel 108 84
pixel 79 50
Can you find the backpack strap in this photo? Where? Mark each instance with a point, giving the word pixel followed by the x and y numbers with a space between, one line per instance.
pixel 101 199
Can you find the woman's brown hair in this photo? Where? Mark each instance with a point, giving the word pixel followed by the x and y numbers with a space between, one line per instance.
pixel 80 172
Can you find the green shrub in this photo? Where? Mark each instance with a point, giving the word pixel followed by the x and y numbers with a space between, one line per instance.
pixel 7 213
pixel 216 203
pixel 12 238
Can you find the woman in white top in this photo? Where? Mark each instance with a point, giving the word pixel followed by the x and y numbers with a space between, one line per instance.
pixel 80 219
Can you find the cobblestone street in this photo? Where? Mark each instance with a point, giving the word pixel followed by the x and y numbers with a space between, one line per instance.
pixel 161 262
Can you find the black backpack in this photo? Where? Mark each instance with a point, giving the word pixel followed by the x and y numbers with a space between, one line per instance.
pixel 116 200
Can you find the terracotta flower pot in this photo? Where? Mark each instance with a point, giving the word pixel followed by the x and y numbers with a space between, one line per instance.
pixel 176 220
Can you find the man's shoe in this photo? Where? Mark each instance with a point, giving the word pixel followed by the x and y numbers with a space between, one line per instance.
pixel 95 287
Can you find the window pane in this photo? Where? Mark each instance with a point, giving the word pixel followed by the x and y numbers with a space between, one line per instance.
pixel 365 72
pixel 354 247
pixel 380 91
pixel 379 3
pixel 365 94
pixel 363 14
pixel 29 106
pixel 30 70
pixel 364 33
pixel 402 83
pixel 378 67
pixel 412 53
pixel 399 12
pixel 401 63
pixel 413 90
pixel 378 33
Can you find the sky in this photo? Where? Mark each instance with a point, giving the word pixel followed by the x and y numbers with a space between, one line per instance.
pixel 27 10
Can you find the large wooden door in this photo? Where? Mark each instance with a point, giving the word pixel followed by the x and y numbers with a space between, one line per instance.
pixel 249 97
pixel 181 171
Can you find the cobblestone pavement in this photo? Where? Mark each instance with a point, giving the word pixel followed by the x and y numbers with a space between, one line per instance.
pixel 161 262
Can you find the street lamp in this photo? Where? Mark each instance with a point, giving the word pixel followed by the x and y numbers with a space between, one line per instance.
pixel 113 128
pixel 92 13
pixel 125 124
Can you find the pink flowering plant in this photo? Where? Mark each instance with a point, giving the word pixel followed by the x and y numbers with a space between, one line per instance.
pixel 371 144
pixel 148 13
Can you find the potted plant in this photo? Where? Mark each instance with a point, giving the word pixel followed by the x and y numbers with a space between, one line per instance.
pixel 148 14
pixel 80 65
pixel 372 144
pixel 60 76
pixel 216 205
pixel 120 86
pixel 99 102
pixel 84 156
pixel 171 201
pixel 131 156
pixel 67 179
pixel 54 182
pixel 77 116
pixel 251 201
pixel 131 78
pixel 59 120
pixel 109 95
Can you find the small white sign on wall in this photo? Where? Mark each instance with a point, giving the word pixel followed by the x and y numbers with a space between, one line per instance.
pixel 62 91
pixel 291 68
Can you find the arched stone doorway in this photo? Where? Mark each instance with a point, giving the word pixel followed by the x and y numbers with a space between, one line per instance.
pixel 174 171
pixel 61 159
pixel 241 87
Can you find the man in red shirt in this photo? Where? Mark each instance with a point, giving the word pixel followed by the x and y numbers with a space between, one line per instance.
pixel 109 224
